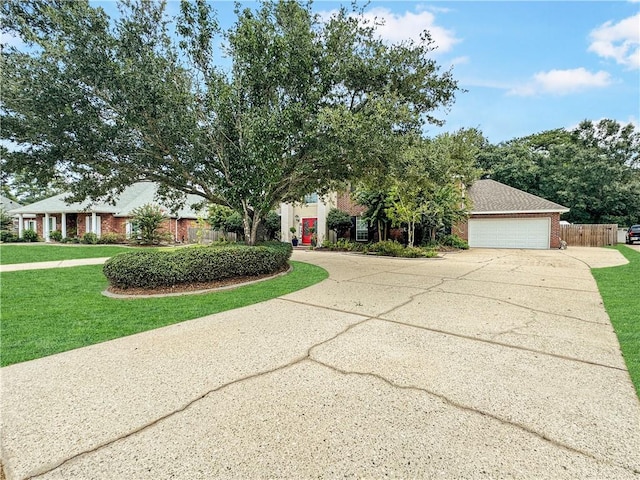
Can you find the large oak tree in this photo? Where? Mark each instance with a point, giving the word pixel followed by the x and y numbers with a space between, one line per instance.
pixel 297 105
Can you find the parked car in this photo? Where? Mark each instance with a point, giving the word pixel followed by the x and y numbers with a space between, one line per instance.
pixel 632 235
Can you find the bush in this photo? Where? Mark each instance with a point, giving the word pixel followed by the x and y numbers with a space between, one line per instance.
pixel 387 247
pixel 56 236
pixel 454 241
pixel 338 221
pixel 151 269
pixel 8 236
pixel 30 235
pixel 147 220
pixel 111 238
pixel 90 238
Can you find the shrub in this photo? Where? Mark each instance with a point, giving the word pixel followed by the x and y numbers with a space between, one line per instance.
pixel 56 236
pixel 151 269
pixel 111 238
pixel 7 236
pixel 30 235
pixel 147 220
pixel 338 221
pixel 387 247
pixel 454 241
pixel 90 238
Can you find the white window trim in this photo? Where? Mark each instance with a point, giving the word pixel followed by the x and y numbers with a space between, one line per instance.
pixel 361 227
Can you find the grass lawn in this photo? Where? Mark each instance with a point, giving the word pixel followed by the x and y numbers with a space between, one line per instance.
pixel 620 290
pixel 50 311
pixel 42 252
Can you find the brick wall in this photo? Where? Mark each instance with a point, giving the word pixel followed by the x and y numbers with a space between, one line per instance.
pixel 346 204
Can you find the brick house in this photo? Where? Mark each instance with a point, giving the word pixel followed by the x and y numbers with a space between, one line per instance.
pixel 505 217
pixel 76 219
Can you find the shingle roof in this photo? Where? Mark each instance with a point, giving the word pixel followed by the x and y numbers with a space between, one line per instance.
pixel 132 197
pixel 488 196
pixel 8 204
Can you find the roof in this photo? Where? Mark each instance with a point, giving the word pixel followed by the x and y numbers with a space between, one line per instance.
pixel 8 204
pixel 491 197
pixel 132 197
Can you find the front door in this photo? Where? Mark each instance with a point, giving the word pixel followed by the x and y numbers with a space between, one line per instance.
pixel 307 225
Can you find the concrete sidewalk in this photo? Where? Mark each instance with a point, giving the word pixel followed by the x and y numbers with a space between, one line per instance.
pixel 484 364
pixel 14 267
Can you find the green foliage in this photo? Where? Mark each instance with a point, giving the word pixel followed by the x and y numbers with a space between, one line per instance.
pixel 454 241
pixel 112 238
pixel 272 226
pixel 304 105
pixel 594 170
pixel 147 220
pixel 6 222
pixel 338 221
pixel 225 219
pixel 376 202
pixel 90 238
pixel 30 235
pixel 56 235
pixel 150 269
pixel 7 236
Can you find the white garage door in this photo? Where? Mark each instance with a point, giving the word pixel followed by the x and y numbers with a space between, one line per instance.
pixel 509 232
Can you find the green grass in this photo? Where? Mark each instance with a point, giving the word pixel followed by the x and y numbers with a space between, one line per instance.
pixel 42 252
pixel 620 290
pixel 51 311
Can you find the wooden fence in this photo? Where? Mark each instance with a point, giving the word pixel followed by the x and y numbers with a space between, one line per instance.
pixel 585 235
pixel 209 236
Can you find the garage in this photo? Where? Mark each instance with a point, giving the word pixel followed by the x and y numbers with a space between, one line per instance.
pixel 505 217
pixel 531 233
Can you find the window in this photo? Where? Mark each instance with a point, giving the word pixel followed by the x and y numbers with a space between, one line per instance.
pixel 132 229
pixel 311 198
pixel 30 225
pixel 52 224
pixel 362 230
pixel 89 225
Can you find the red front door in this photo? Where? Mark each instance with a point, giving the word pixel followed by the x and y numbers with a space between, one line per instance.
pixel 307 225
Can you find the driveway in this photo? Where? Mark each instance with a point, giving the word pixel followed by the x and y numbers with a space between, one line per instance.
pixel 482 364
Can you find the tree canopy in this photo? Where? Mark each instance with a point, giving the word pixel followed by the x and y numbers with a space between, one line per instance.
pixel 101 103
pixel 594 170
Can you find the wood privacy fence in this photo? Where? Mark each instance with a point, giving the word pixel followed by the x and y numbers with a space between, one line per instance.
pixel 209 236
pixel 585 235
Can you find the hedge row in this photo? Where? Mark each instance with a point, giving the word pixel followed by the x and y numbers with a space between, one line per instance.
pixel 152 268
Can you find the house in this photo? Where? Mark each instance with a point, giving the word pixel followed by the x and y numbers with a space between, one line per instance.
pixel 6 204
pixel 76 219
pixel 505 217
pixel 312 213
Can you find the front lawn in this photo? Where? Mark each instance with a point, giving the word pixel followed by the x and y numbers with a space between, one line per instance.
pixel 51 311
pixel 620 290
pixel 42 252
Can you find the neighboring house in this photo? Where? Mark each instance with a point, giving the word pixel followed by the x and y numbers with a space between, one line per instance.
pixel 76 219
pixel 505 217
pixel 6 204
pixel 312 213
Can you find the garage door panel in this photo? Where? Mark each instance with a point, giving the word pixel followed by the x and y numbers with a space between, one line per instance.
pixel 510 233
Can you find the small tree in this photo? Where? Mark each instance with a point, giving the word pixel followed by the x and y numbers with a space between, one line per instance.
pixel 147 220
pixel 272 225
pixel 6 222
pixel 338 221
pixel 225 219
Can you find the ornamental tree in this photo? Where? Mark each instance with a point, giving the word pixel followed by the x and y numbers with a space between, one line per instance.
pixel 304 103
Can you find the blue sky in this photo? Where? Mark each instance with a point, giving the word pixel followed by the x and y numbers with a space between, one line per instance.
pixel 527 66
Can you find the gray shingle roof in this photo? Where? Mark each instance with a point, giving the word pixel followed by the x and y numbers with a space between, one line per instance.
pixel 8 204
pixel 488 196
pixel 131 198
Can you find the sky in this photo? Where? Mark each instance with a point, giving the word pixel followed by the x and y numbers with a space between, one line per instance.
pixel 525 67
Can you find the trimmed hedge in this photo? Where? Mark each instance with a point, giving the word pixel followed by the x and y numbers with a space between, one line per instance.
pixel 151 269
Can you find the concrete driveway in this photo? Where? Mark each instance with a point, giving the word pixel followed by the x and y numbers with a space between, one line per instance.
pixel 482 364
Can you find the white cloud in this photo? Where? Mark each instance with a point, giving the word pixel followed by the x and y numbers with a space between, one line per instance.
pixel 562 82
pixel 398 27
pixel 459 60
pixel 620 41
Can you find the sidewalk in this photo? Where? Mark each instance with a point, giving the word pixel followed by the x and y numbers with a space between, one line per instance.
pixel 14 267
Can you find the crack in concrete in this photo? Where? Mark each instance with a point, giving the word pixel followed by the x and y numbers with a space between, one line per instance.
pixel 531 309
pixel 477 411
pixel 192 402
pixel 455 334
